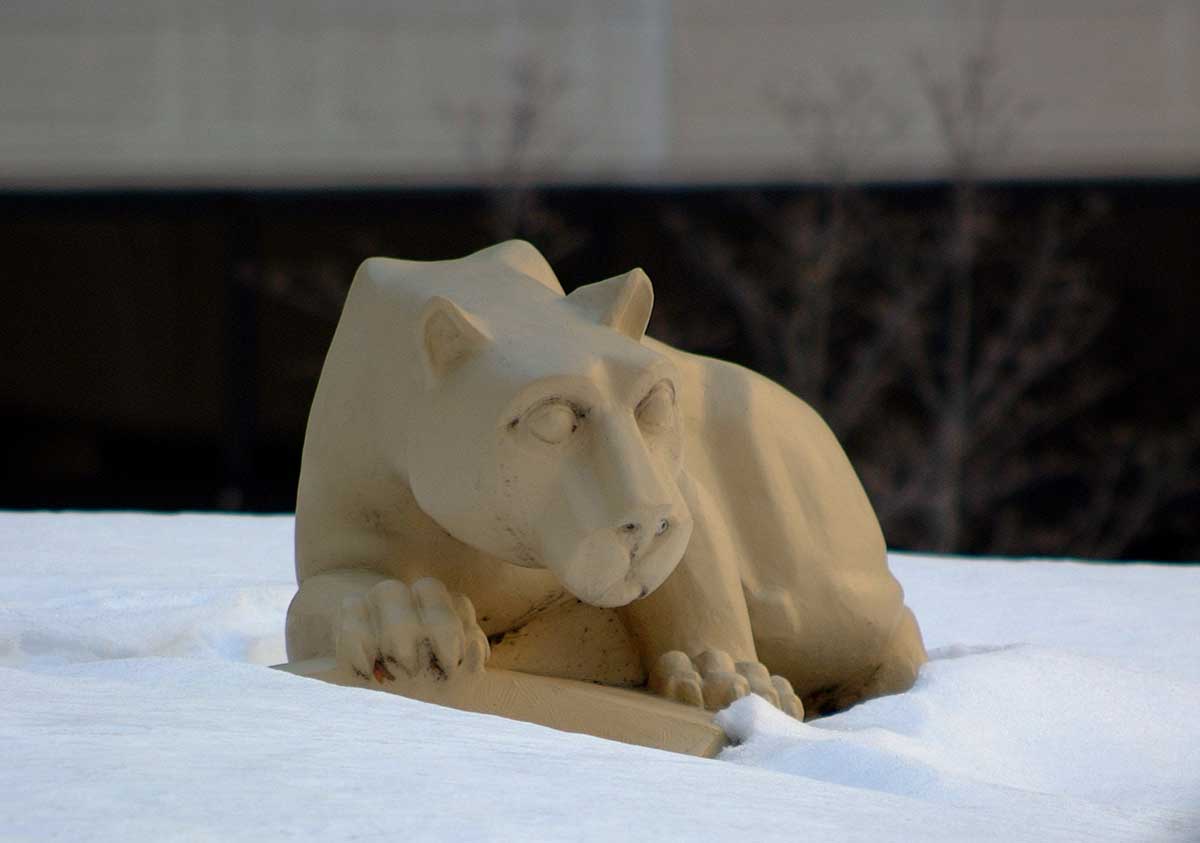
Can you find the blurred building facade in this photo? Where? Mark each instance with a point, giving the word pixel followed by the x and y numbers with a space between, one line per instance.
pixel 287 93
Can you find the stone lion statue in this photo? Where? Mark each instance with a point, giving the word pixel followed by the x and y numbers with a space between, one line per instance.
pixel 496 474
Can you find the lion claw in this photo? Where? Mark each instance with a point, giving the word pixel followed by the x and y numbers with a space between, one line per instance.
pixel 419 630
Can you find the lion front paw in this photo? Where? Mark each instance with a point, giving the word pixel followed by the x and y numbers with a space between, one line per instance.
pixel 713 680
pixel 417 631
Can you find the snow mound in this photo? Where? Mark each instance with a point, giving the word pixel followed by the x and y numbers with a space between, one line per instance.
pixel 993 729
pixel 1060 703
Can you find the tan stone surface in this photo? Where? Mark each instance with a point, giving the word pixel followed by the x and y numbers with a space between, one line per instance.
pixel 570 706
pixel 488 459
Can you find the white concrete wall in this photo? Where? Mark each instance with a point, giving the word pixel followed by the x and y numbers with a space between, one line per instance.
pixel 304 92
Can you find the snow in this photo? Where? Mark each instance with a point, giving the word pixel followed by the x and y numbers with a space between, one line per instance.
pixel 1061 703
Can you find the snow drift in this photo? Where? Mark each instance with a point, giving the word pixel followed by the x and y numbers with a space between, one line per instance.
pixel 1060 703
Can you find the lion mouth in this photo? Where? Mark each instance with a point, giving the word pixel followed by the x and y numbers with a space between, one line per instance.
pixel 620 593
pixel 627 586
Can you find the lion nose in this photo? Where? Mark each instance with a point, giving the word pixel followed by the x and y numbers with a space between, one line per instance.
pixel 661 525
pixel 646 525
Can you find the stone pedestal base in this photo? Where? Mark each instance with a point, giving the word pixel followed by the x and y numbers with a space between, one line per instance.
pixel 617 714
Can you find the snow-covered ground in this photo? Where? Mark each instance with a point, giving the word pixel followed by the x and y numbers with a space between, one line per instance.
pixel 1061 702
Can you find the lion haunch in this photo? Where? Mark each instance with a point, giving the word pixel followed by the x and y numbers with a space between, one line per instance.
pixel 489 460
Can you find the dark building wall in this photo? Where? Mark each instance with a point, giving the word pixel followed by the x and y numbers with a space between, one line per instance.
pixel 161 349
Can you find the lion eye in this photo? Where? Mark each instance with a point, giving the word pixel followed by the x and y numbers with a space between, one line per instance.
pixel 553 423
pixel 657 410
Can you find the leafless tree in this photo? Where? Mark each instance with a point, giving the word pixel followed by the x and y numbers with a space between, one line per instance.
pixel 976 380
pixel 515 143
pixel 1135 479
pixel 972 329
pixel 512 145
pixel 791 298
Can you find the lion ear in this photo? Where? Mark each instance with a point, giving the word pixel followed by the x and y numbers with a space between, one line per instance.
pixel 449 336
pixel 623 303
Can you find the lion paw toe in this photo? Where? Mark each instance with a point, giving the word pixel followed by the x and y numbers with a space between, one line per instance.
pixel 713 680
